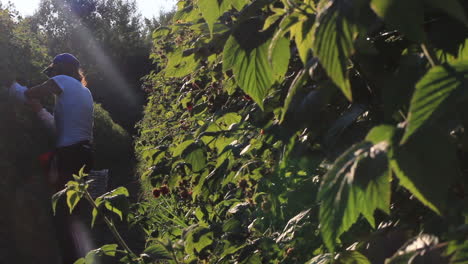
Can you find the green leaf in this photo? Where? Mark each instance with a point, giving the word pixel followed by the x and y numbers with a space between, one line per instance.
pixel 280 61
pixel 463 51
pixel 358 183
pixel 351 257
pixel 80 261
pixel 212 9
pixel 321 259
pixel 246 54
pixel 157 252
pixel 179 65
pixel 57 197
pixel 73 197
pixel 196 158
pixel 303 36
pixel 383 133
pixel 110 206
pixel 161 32
pixel 181 147
pixel 427 165
pixel 197 239
pixel 239 4
pixel 186 14
pixel 405 16
pixel 415 251
pixel 106 250
pixel 114 201
pixel 437 92
pixel 109 250
pixel 451 7
pixel 94 216
pixel 292 226
pixel 118 191
pixel 334 34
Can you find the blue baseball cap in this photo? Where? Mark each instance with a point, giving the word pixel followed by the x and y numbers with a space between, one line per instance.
pixel 66 58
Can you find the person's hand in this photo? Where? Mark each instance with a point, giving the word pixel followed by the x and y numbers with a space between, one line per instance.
pixel 35 105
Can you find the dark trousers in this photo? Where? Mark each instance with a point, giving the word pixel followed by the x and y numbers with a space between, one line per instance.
pixel 72 233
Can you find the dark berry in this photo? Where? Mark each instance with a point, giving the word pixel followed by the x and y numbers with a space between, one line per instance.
pixel 156 193
pixel 243 184
pixel 164 190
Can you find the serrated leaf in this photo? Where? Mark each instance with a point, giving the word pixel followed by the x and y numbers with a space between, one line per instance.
pixel 239 4
pixel 118 191
pixel 437 92
pixel 334 34
pixel 73 197
pixel 55 198
pixel 161 32
pixel 196 158
pixel 351 257
pixel 352 187
pixel 80 261
pixel 186 14
pixel 462 52
pixel 197 239
pixel 269 21
pixel 179 65
pixel 280 61
pixel 292 225
pixel 113 209
pixel 405 16
pixel 418 246
pixel 109 249
pixel 304 36
pixel 157 252
pixel 181 147
pixel 427 165
pixel 114 201
pixel 212 9
pixel 246 54
pixel 321 259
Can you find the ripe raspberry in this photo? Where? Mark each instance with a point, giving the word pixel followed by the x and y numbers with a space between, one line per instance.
pixel 156 193
pixel 243 184
pixel 164 190
pixel 189 107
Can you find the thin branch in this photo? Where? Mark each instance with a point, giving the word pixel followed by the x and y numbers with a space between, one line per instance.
pixel 430 55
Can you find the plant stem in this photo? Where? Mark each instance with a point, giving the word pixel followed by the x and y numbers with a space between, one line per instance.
pixel 430 55
pixel 111 226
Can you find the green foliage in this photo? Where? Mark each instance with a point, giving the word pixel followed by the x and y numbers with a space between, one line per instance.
pixel 249 153
pixel 440 90
pixel 358 183
pixel 248 60
pixel 113 147
pixel 334 26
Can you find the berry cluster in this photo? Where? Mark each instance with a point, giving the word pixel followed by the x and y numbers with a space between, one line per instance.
pixel 163 190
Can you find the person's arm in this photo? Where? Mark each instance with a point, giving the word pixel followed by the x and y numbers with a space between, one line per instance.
pixel 47 118
pixel 47 88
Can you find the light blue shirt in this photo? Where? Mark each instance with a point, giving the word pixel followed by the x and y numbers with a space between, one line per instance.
pixel 73 112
